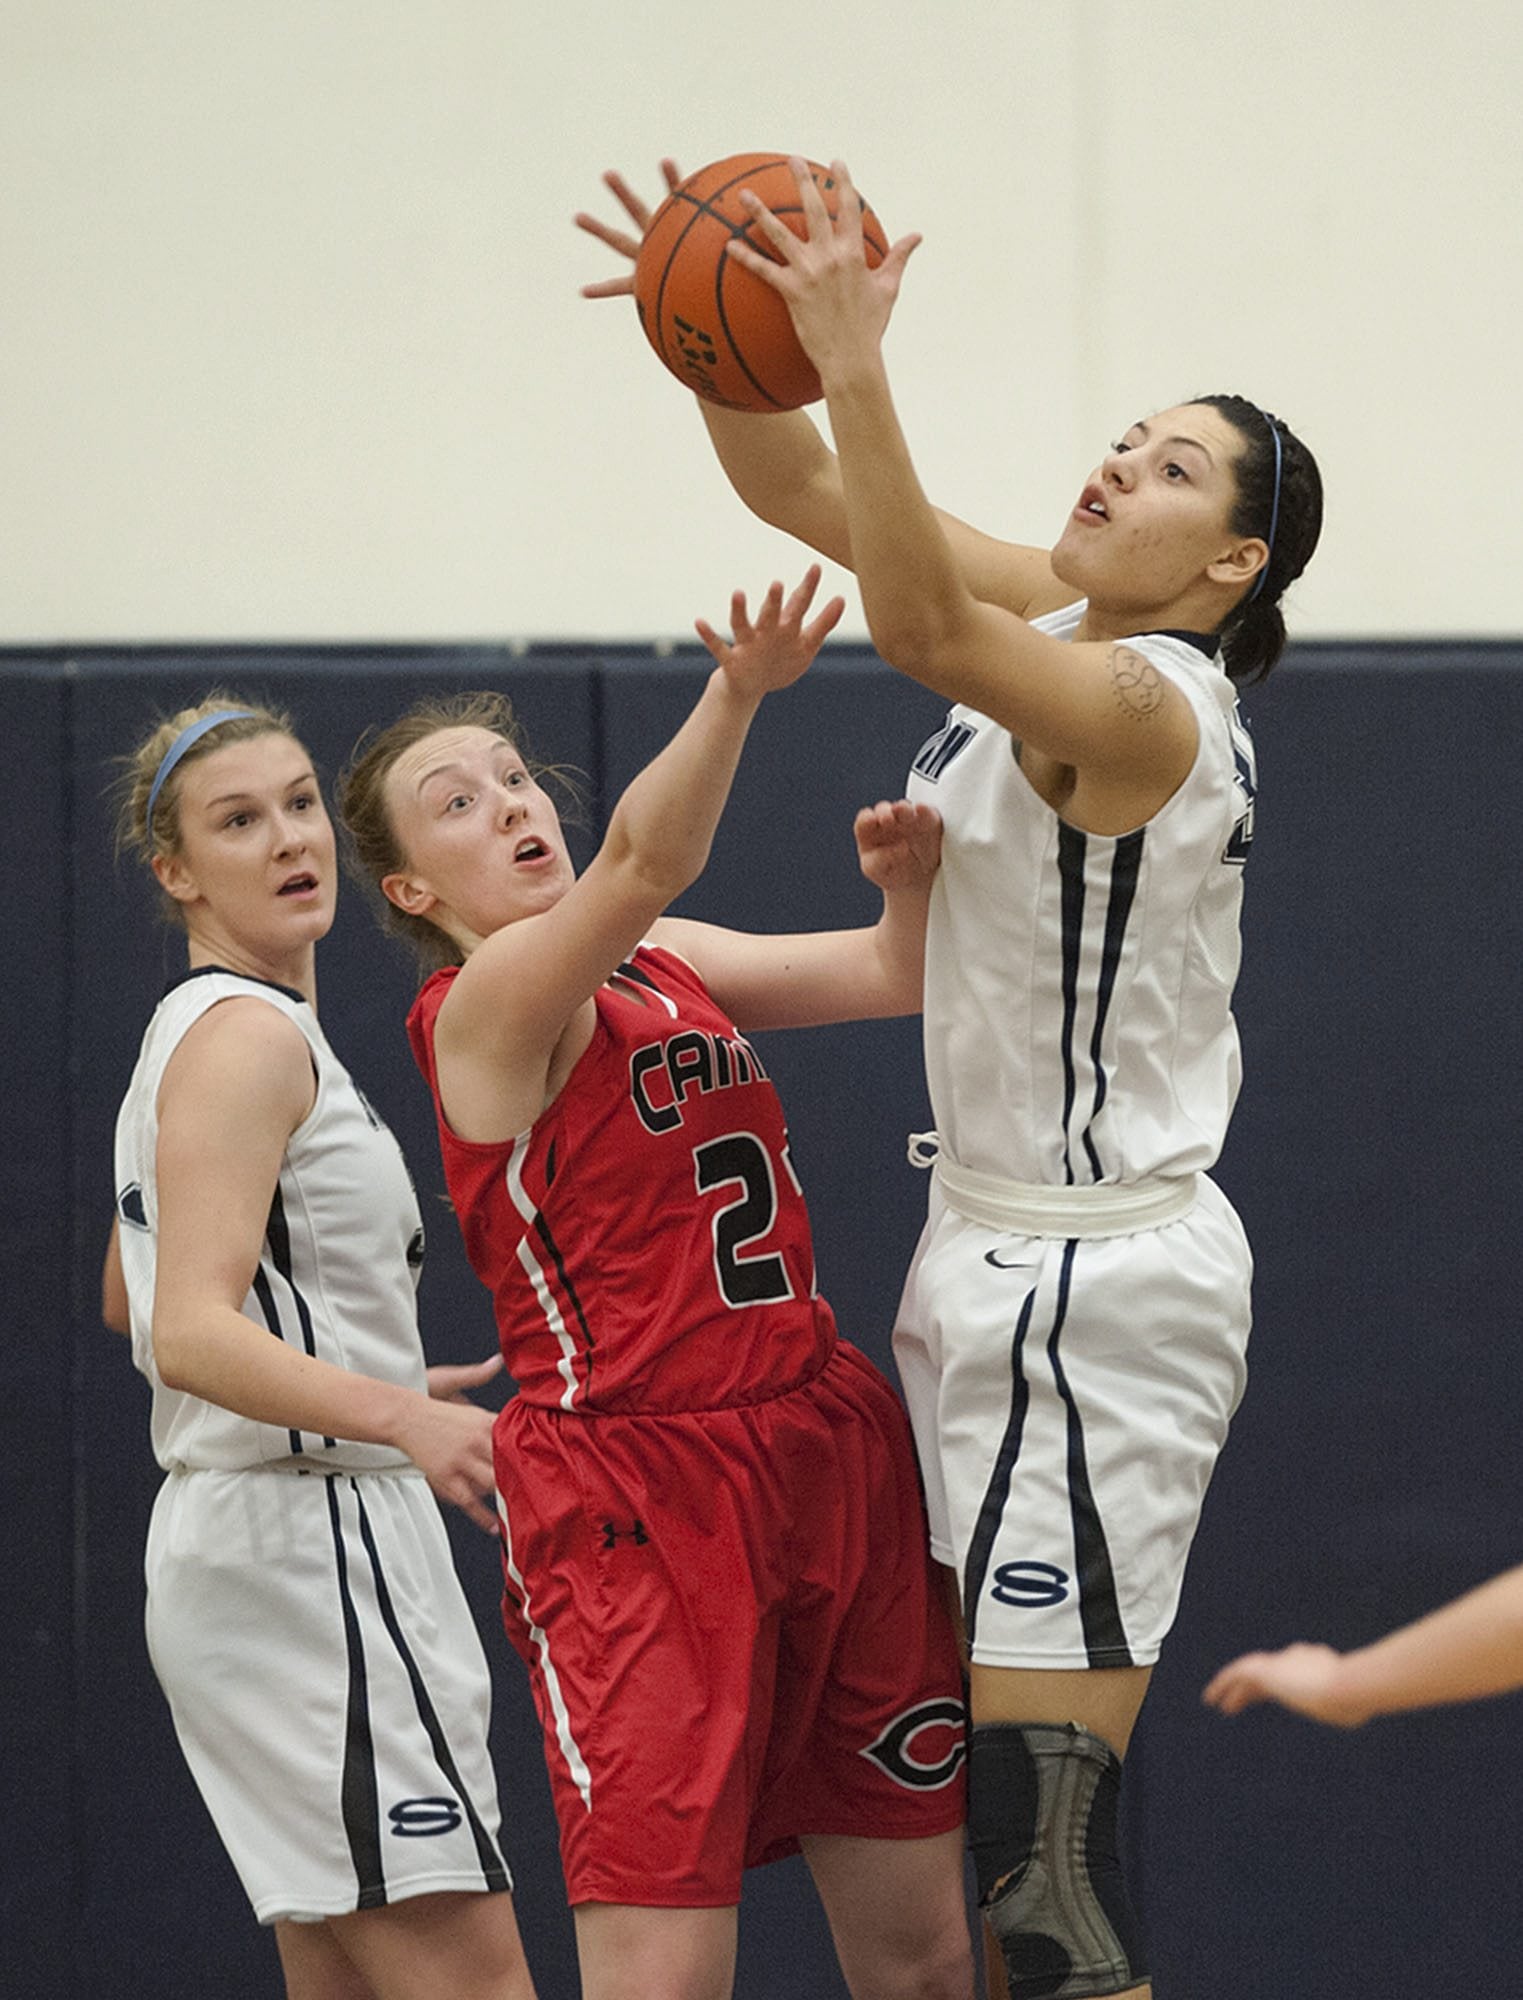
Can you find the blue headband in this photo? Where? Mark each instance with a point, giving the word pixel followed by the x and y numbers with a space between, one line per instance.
pixel 182 743
pixel 1274 512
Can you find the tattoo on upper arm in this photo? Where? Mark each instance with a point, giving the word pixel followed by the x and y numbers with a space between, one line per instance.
pixel 1136 683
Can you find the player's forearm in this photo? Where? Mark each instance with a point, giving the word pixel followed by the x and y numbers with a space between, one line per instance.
pixel 898 942
pixel 913 591
pixel 207 1349
pixel 664 824
pixel 783 470
pixel 1464 1651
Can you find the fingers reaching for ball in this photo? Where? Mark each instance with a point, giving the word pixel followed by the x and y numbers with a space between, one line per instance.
pixel 627 245
pixel 719 321
pixel 836 276
pixel 775 648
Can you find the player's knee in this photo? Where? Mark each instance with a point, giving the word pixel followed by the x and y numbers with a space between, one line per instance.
pixel 939 1967
pixel 1043 1824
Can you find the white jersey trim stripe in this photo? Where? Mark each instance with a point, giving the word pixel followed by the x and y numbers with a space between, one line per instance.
pixel 576 1763
pixel 534 1270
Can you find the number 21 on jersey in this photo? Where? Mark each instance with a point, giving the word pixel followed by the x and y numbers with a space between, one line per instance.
pixel 739 1160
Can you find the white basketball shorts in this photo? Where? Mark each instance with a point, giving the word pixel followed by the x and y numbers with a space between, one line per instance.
pixel 327 1683
pixel 1069 1398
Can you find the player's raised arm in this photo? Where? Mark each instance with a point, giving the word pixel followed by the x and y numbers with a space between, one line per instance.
pixel 788 476
pixel 479 856
pixel 807 979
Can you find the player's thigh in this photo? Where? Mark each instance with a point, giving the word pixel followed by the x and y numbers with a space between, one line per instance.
pixel 315 1964
pixel 465 1946
pixel 659 1954
pixel 1104 1700
pixel 898 1913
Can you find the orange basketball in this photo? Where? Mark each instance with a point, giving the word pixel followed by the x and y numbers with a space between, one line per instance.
pixel 717 326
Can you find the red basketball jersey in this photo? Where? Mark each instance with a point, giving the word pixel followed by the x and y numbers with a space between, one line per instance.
pixel 645 1242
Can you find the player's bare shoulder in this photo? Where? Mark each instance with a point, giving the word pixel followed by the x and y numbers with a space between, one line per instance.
pixel 242 1049
pixel 1137 686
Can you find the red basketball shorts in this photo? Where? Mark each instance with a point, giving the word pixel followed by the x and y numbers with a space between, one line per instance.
pixel 733 1631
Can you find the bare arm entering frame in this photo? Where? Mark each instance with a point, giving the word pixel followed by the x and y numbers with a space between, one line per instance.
pixel 810 978
pixel 1465 1651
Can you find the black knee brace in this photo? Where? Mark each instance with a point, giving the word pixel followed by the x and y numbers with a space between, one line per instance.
pixel 1043 1801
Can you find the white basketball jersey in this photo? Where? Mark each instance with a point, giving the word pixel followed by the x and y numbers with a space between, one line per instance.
pixel 1078 1022
pixel 338 1268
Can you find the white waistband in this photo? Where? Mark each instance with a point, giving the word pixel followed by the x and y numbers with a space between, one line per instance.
pixel 1026 1208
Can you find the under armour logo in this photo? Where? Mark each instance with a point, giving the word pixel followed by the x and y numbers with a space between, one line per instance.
pixel 635 1533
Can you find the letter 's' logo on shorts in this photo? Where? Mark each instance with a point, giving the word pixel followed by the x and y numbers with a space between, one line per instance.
pixel 1028 1585
pixel 923 1748
pixel 418 1819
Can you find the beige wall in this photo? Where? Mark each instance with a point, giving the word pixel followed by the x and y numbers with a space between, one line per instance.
pixel 290 343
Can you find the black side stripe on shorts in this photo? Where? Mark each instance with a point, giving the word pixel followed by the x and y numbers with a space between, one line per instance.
pixel 997 1494
pixel 1099 1612
pixel 277 1234
pixel 493 1868
pixel 1126 865
pixel 358 1791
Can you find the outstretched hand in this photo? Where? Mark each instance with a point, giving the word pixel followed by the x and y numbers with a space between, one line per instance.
pixel 639 213
pixel 775 650
pixel 839 305
pixel 1301 1677
pixel 898 844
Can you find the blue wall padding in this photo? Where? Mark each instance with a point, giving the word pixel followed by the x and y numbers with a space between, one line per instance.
pixel 1372 1470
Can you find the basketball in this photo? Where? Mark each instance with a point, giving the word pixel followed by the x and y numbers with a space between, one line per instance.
pixel 718 327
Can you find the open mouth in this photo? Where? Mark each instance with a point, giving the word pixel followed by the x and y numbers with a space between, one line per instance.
pixel 299 885
pixel 1092 502
pixel 531 850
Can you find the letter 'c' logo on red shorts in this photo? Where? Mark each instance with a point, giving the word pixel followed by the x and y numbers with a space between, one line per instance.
pixel 923 1748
